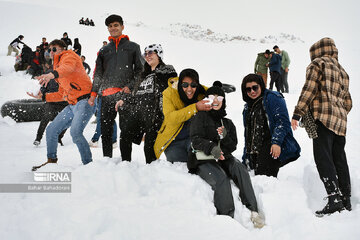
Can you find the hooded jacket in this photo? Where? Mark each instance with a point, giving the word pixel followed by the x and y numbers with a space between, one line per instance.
pixel 275 63
pixel 326 89
pixel 175 115
pixel 118 65
pixel 71 76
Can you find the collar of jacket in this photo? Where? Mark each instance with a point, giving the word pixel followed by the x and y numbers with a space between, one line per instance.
pixel 117 40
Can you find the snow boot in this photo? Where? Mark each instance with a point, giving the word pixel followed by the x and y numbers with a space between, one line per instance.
pixel 93 144
pixel 334 205
pixel 36 143
pixel 50 160
pixel 346 202
pixel 257 220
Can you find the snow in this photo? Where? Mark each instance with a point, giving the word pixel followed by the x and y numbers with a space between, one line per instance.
pixel 111 199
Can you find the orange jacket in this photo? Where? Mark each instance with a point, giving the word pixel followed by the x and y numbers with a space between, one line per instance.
pixel 71 76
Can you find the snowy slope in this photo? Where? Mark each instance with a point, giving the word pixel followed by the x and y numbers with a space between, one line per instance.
pixel 115 200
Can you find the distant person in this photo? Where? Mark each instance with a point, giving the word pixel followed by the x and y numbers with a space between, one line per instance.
pixel 86 66
pixel 66 40
pixel 81 21
pixel 77 47
pixel 14 45
pixel 43 48
pixel 181 101
pixel 323 106
pixel 35 68
pixel 54 103
pixel 269 141
pixel 76 86
pixel 215 136
pixel 87 22
pixel 92 23
pixel 144 105
pixel 285 62
pixel 118 67
pixel 24 59
pixel 105 43
pixel 275 65
pixel 261 67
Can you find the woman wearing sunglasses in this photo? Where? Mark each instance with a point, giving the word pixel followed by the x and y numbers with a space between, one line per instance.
pixel 215 136
pixel 144 105
pixel 269 141
pixel 181 101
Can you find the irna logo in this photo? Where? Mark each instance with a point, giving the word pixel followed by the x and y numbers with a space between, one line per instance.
pixel 52 176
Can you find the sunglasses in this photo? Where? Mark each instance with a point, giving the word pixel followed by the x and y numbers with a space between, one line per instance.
pixel 149 53
pixel 54 49
pixel 193 85
pixel 255 88
pixel 219 98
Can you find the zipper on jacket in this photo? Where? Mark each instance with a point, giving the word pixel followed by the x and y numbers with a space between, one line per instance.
pixel 170 138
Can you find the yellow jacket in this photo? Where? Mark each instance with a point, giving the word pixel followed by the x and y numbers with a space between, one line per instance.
pixel 175 114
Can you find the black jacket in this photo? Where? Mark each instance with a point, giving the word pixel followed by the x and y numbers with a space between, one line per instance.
pixel 16 40
pixel 67 41
pixel 118 67
pixel 204 136
pixel 87 67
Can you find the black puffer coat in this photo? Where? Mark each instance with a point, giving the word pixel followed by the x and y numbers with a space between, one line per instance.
pixel 204 136
pixel 118 67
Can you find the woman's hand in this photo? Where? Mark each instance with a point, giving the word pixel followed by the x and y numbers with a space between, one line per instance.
pixel 118 104
pixel 275 151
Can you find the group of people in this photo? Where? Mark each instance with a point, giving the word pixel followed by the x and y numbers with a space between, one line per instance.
pixel 278 62
pixel 187 121
pixel 86 22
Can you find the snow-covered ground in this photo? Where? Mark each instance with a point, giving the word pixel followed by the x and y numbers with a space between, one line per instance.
pixel 111 199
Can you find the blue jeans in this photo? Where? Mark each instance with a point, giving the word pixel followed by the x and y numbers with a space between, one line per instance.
pixel 76 117
pixel 97 133
pixel 178 151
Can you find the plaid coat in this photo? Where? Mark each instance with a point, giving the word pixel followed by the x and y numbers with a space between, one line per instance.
pixel 326 90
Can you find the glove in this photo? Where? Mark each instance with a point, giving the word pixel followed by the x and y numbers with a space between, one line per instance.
pixel 216 152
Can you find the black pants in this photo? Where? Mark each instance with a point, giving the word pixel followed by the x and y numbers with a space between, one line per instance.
pixel 107 118
pixel 51 110
pixel 218 175
pixel 263 163
pixel 330 159
pixel 276 78
pixel 134 125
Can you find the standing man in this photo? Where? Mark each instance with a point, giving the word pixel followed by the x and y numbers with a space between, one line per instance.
pixel 74 87
pixel 118 66
pixel 14 45
pixel 275 65
pixel 66 40
pixel 325 97
pixel 261 62
pixel 285 62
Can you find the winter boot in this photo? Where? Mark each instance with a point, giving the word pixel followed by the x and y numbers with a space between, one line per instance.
pixel 257 220
pixel 50 160
pixel 334 204
pixel 346 202
pixel 36 143
pixel 93 144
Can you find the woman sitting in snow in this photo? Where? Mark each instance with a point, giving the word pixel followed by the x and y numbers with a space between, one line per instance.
pixel 214 137
pixel 269 141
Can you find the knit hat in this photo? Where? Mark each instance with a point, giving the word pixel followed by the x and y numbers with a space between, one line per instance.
pixel 156 48
pixel 216 89
pixel 113 18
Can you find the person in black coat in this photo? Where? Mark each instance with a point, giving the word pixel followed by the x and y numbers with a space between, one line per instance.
pixel 143 107
pixel 77 47
pixel 14 45
pixel 86 66
pixel 214 135
pixel 66 40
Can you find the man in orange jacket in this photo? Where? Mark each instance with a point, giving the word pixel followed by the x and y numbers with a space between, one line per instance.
pixel 75 88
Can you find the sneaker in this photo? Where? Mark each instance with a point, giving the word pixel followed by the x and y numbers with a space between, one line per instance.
pixel 257 220
pixel 334 205
pixel 346 202
pixel 94 144
pixel 36 143
pixel 115 145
